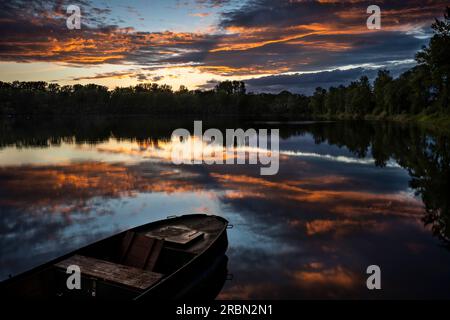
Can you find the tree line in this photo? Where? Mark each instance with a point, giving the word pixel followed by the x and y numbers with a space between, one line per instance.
pixel 422 89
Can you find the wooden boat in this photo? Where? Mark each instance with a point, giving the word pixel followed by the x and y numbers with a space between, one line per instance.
pixel 166 259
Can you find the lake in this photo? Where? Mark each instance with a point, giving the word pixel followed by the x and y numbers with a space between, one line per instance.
pixel 347 195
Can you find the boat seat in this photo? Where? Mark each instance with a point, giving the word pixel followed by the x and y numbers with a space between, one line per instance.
pixel 125 275
pixel 140 251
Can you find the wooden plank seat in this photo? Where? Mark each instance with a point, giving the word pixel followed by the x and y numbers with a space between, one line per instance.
pixel 108 271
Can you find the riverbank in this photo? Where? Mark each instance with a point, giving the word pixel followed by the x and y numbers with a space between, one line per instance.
pixel 435 122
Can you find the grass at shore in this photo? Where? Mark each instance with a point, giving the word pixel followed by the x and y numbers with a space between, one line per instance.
pixel 436 122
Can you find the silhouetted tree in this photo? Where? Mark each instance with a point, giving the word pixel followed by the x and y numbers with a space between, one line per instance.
pixel 436 58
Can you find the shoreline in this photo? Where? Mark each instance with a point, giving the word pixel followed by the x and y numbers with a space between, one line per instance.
pixel 434 122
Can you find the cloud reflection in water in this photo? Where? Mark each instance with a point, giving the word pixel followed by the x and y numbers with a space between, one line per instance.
pixel 308 232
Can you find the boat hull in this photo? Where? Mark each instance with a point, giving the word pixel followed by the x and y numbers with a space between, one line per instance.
pixel 203 265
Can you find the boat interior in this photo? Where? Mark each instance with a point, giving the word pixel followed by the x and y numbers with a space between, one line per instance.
pixel 129 263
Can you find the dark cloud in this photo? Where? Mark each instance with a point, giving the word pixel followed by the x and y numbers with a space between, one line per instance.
pixel 105 75
pixel 306 83
pixel 262 13
pixel 208 85
pixel 130 73
pixel 214 3
pixel 283 13
pixel 141 77
pixel 157 78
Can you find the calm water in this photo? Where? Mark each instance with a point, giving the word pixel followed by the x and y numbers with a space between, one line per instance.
pixel 347 195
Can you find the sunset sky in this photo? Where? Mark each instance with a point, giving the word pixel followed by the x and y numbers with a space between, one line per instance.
pixel 272 44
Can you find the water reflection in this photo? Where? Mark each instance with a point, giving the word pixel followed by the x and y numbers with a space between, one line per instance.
pixel 347 195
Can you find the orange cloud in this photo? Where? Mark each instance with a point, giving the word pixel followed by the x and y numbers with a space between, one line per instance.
pixel 71 186
pixel 340 227
pixel 200 14
pixel 245 292
pixel 337 276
